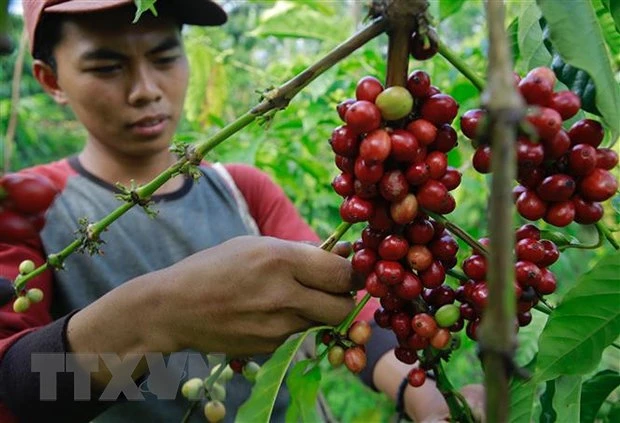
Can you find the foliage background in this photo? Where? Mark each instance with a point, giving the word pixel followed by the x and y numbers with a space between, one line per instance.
pixel 266 43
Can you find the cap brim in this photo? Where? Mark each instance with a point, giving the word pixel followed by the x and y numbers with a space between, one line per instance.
pixel 192 12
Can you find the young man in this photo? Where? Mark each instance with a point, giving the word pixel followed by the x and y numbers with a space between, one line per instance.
pixel 190 280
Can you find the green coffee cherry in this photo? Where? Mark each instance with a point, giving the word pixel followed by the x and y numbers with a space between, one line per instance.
pixel 250 370
pixel 217 392
pixel 447 315
pixel 394 103
pixel 35 295
pixel 226 375
pixel 192 389
pixel 26 266
pixel 21 304
pixel 214 411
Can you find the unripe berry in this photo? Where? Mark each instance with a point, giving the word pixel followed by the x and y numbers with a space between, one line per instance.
pixel 227 373
pixel 360 332
pixel 21 304
pixel 214 411
pixel 441 339
pixel 395 103
pixel 447 315
pixel 405 210
pixel 419 257
pixel 355 359
pixel 35 295
pixel 193 389
pixel 217 392
pixel 424 325
pixel 335 356
pixel 26 267
pixel 250 370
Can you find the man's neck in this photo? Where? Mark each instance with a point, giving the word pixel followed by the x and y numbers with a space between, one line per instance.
pixel 123 169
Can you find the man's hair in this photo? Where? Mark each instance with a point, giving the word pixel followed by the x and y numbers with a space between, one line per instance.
pixel 48 35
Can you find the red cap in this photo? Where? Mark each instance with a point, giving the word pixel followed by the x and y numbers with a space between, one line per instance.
pixel 192 12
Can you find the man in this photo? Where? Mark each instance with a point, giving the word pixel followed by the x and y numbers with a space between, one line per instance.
pixel 190 280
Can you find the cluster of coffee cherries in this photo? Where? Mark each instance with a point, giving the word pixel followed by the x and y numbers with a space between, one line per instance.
pixel 533 279
pixel 213 393
pixel 392 154
pixel 563 175
pixel 31 296
pixel 349 349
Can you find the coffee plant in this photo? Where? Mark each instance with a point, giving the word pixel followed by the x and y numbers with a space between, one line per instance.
pixel 546 136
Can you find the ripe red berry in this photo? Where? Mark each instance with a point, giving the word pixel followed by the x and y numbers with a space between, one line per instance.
pixel 363 116
pixel 343 106
pixel 433 196
pixel 446 138
pixel 527 273
pixel 551 253
pixel 606 158
pixel 470 121
pixel 599 185
pixel 345 164
pixel 410 288
pixel 404 146
pixel 424 131
pixel 424 325
pixel 389 272
pixel 582 159
pixel 586 131
pixel 355 359
pixel 416 377
pixel 444 248
pixel 382 318
pixel 367 173
pixel 418 83
pixel 405 355
pixel 368 88
pixel 381 219
pixel 344 141
pixel 375 287
pixel 524 318
pixel 343 185
pixel 423 46
pixel 482 159
pixel 393 247
pixel 556 187
pixel 392 302
pixel 479 296
pixel 530 249
pixel 547 283
pixel 566 103
pixel 530 206
pixel 29 193
pixel 364 260
pixel 452 178
pixel 529 154
pixel 417 173
pixel 434 276
pixel 527 231
pixel 365 191
pixel 14 227
pixel 472 329
pixel 586 212
pixel 437 164
pixel 419 257
pixel 393 186
pixel 547 122
pixel 560 214
pixel 375 147
pixel 355 209
pixel 441 339
pixel 401 324
pixel 558 145
pixel 475 267
pixel 372 237
pixel 536 90
pixel 439 109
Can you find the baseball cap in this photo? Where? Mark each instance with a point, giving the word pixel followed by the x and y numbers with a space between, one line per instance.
pixel 191 12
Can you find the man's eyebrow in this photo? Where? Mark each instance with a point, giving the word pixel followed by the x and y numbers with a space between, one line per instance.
pixel 104 53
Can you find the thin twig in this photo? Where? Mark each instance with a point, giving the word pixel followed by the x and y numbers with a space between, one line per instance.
pixel 610 237
pixel 459 232
pixel 456 61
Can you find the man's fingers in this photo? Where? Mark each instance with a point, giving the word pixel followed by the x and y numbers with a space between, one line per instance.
pixel 343 249
pixel 324 308
pixel 323 270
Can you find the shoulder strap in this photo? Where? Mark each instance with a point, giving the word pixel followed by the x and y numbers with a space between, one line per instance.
pixel 242 205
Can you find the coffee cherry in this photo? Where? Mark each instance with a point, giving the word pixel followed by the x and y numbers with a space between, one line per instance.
pixel 393 186
pixel 472 329
pixel 551 253
pixel 482 159
pixel 355 359
pixel 406 355
pixel 557 187
pixel 250 371
pixel 401 324
pixel 527 273
pixel 418 83
pixel 26 267
pixel 557 146
pixel 214 411
pixel 452 178
pixel 544 73
pixel 560 214
pixel 364 260
pixel 382 318
pixel 439 109
pixel 21 304
pixel 424 325
pixel 363 116
pixel 530 206
pixel 355 209
pixel 586 212
pixel 536 89
pixel 547 122
pixel 479 296
pixel 35 295
pixel 405 210
pixel 416 377
pixel 374 286
pixel 192 389
pixel 392 302
pixel 417 173
pixel 527 231
pixel 606 158
pixel 434 275
pixel 410 288
pixel 395 103
pixel 389 272
pixel 433 196
pixel 467 311
pixel 529 249
pixel 345 164
pixel 441 339
pixel 530 177
pixel 586 131
pixel 367 173
pixel 404 146
pixel 381 219
pixel 237 364
pixel 599 185
pixel 420 231
pixel 475 267
pixel 343 185
pixel 419 257
pixel 444 248
pixel 470 122
pixel 343 106
pixel 423 46
pixel 217 391
pixel 547 283
pixel 368 88
pixel 566 103
pixel 437 163
pixel 393 247
pixel 375 147
pixel 529 154
pixel 582 159
pixel 360 332
pixel 446 138
pixel 447 315
pixel 424 131
pixel 344 141
pixel 372 238
pixel 365 191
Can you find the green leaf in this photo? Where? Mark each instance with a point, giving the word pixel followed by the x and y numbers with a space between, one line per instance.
pixel 587 321
pixel 528 338
pixel 594 391
pixel 547 413
pixel 567 398
pixel 143 6
pixel 584 49
pixel 259 406
pixel 522 394
pixel 303 385
pixel 449 7
pixel 530 38
pixel 513 36
pixel 614 9
pixel 608 26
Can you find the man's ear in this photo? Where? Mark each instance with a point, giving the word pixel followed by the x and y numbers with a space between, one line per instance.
pixel 48 80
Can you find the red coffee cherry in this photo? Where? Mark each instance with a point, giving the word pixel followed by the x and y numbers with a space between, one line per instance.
pixel 529 249
pixel 393 186
pixel 433 196
pixel 556 187
pixel 343 185
pixel 404 146
pixel 440 296
pixel 375 287
pixel 389 272
pixel 524 319
pixel 470 122
pixel 530 206
pixel 424 325
pixel 423 46
pixel 381 219
pixel 360 332
pixel 557 146
pixel 355 359
pixel 544 73
pixel 472 329
pixel 29 193
pixel 419 257
pixel 424 131
pixel 439 109
pixel 551 253
pixel 547 283
pixel 365 191
pixel 410 288
pixel 405 355
pixel 547 122
pixel 566 103
pixel 530 177
pixel 392 302
pixel 393 247
pixel 606 158
pixel 529 154
pixel 560 214
pixel 437 164
pixel 372 237
pixel 364 261
pixel 536 90
pixel 582 159
pixel 441 339
pixel 343 106
pixel 444 248
pixel 344 142
pixel 368 88
pixel 527 273
pixel 417 173
pixel 401 324
pixel 416 377
pixel 363 116
pixel 15 228
pixel 345 164
pixel 586 212
pixel 355 209
pixel 586 131
pixel 382 318
pixel 452 178
pixel 599 185
pixel 367 173
pixel 475 267
pixel 527 231
pixel 434 276
pixel 482 159
pixel 405 210
pixel 418 83
pixel 446 138
pixel 479 296
pixel 420 231
pixel 375 147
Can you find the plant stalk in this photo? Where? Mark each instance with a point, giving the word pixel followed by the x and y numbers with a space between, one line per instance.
pixel 505 110
pixel 456 61
pixel 459 409
pixel 610 237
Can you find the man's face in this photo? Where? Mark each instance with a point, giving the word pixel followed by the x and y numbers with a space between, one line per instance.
pixel 125 82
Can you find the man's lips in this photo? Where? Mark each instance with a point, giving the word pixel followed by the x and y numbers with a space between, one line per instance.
pixel 149 121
